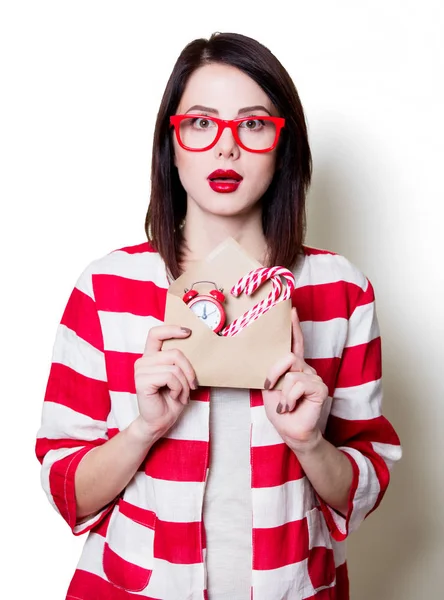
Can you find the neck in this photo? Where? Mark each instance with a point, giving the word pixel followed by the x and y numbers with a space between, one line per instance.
pixel 203 232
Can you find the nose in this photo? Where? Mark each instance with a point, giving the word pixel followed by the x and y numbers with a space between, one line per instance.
pixel 227 145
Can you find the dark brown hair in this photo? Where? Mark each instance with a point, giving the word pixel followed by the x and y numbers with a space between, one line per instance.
pixel 283 212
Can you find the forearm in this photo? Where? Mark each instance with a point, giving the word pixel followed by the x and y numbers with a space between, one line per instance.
pixel 106 470
pixel 328 470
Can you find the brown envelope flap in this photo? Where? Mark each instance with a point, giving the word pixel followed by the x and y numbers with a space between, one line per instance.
pixel 224 266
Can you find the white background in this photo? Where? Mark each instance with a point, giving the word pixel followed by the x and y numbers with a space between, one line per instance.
pixel 81 83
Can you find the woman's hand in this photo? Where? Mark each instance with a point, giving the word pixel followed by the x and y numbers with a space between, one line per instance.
pixel 295 411
pixel 163 380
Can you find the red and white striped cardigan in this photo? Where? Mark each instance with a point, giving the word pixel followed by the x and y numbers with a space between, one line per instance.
pixel 150 541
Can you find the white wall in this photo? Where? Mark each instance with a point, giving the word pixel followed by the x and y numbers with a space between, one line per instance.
pixel 81 86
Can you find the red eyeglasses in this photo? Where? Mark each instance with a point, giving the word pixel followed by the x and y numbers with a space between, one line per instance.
pixel 198 133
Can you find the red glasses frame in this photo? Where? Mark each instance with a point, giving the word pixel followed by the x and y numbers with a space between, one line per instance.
pixel 176 120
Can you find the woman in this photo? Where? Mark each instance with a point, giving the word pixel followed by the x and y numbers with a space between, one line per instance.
pixel 125 439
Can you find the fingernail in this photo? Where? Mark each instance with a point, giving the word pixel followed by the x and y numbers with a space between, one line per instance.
pixel 287 408
pixel 279 408
pixel 186 330
pixel 195 384
pixel 267 384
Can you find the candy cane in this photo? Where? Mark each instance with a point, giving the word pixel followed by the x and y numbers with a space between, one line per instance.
pixel 249 284
pixel 253 314
pixel 261 308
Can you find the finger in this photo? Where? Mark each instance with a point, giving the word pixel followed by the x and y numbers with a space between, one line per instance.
pixel 184 393
pixel 149 384
pixel 292 390
pixel 277 370
pixel 297 346
pixel 298 386
pixel 167 357
pixel 159 334
pixel 290 363
pixel 176 357
pixel 162 374
pixel 302 366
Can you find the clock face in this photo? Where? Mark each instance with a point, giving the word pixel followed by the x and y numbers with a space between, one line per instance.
pixel 208 311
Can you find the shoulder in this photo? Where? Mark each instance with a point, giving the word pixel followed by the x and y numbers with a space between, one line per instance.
pixel 134 263
pixel 327 267
pixel 333 283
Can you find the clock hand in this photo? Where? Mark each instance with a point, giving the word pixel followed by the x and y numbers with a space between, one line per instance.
pixel 204 314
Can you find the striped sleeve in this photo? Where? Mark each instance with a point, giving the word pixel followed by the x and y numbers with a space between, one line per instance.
pixel 76 403
pixel 356 425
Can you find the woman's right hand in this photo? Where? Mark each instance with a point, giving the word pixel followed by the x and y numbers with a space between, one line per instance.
pixel 163 380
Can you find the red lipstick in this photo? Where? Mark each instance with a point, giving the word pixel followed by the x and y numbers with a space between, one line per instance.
pixel 224 182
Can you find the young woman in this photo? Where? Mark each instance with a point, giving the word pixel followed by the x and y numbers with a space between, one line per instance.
pixel 227 494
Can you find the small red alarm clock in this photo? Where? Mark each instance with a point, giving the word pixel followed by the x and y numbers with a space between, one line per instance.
pixel 207 307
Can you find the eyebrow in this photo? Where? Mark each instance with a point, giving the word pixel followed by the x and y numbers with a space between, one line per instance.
pixel 246 109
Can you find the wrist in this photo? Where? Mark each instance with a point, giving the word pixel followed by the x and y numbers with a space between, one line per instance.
pixel 143 433
pixel 309 445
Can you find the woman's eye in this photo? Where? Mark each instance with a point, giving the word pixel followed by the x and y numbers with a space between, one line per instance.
pixel 253 124
pixel 201 123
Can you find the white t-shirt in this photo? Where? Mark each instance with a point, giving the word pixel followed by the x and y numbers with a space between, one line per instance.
pixel 227 508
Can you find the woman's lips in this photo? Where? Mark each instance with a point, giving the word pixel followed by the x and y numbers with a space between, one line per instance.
pixel 224 186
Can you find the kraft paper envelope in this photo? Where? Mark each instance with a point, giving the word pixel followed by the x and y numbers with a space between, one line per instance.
pixel 243 360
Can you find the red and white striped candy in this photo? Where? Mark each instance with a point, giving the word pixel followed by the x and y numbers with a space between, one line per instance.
pixel 249 284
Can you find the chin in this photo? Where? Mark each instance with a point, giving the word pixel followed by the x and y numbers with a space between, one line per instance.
pixel 229 204
pixel 222 205
pixel 230 211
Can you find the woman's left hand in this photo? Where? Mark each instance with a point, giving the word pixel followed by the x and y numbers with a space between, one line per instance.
pixel 296 409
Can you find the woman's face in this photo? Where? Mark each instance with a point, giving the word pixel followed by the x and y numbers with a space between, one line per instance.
pixel 227 90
